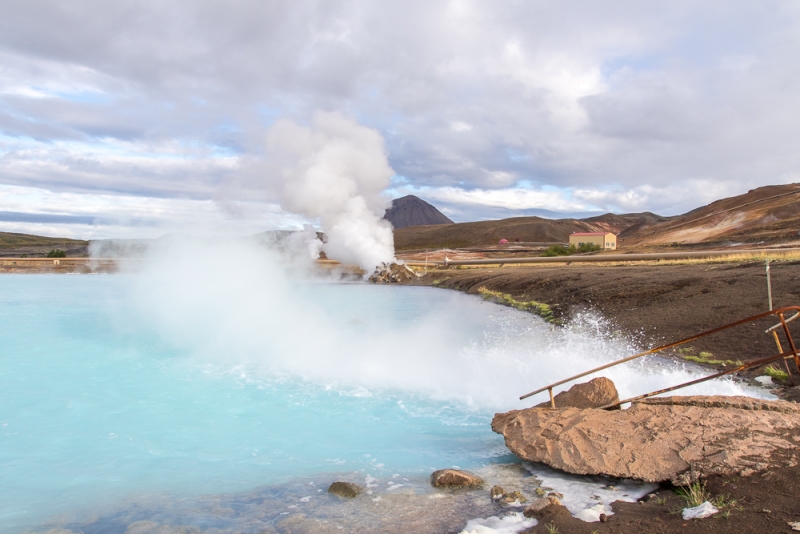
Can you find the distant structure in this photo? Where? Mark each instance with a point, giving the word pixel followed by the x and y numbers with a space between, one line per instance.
pixel 413 211
pixel 604 240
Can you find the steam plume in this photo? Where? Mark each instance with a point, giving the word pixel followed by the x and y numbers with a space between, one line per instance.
pixel 335 170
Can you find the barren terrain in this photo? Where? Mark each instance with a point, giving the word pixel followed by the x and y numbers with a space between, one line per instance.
pixel 655 304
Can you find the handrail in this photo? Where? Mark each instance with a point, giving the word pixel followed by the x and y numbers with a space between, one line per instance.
pixel 785 355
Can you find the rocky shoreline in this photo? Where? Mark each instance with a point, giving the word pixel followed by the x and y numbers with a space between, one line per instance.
pixel 655 304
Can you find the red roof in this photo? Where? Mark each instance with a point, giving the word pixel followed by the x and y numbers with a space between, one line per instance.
pixel 592 233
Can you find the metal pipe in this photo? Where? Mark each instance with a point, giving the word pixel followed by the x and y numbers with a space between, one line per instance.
pixel 697 381
pixel 789 320
pixel 617 257
pixel 769 286
pixel 778 312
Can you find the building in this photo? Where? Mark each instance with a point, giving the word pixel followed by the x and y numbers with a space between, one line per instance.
pixel 604 240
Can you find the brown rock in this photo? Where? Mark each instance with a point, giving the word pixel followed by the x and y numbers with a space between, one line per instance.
pixel 454 478
pixel 392 273
pixel 513 497
pixel 348 490
pixel 595 393
pixel 538 505
pixel 497 493
pixel 674 438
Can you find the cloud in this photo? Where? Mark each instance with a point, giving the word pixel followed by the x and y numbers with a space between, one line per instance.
pixel 615 105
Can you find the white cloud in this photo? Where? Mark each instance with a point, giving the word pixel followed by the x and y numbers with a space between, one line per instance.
pixel 617 105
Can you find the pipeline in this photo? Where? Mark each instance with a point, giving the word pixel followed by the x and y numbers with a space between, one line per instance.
pixel 616 257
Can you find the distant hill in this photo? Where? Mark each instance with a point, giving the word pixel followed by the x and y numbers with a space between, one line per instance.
pixel 413 211
pixel 524 229
pixel 766 214
pixel 12 245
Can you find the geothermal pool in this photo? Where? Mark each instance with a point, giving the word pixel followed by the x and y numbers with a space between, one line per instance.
pixel 175 386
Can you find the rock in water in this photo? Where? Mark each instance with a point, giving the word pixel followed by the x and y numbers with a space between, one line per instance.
pixel 673 438
pixel 540 504
pixel 595 393
pixel 454 478
pixel 497 493
pixel 392 273
pixel 347 490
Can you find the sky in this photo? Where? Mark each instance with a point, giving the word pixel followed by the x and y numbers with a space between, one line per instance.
pixel 134 119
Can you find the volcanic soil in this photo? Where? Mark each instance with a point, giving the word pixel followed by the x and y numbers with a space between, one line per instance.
pixel 654 305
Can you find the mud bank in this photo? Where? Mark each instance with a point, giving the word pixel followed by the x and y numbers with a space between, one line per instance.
pixel 652 304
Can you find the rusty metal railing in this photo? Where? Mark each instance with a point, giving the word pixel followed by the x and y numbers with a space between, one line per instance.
pixel 783 355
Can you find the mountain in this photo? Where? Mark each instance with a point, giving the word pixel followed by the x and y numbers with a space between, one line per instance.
pixel 767 214
pixel 413 211
pixel 523 229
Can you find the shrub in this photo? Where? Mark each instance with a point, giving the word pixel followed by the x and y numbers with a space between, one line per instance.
pixel 776 373
pixel 56 253
pixel 557 250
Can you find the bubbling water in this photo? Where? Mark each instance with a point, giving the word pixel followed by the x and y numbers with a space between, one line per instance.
pixel 238 307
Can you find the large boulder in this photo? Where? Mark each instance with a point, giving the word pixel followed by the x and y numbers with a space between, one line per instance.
pixel 673 438
pixel 595 393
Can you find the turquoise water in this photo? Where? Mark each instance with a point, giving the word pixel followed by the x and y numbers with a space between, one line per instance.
pixel 94 407
pixel 182 382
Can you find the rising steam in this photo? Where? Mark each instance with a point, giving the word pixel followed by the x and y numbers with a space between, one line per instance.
pixel 335 170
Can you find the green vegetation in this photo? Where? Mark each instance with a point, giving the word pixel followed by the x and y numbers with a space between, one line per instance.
pixel 776 373
pixel 542 310
pixel 705 357
pixel 559 250
pixel 694 494
pixel 56 253
pixel 551 528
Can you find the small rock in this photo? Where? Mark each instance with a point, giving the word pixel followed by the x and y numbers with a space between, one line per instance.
pixel 454 478
pixel 603 518
pixel 497 493
pixel 556 494
pixel 348 490
pixel 538 505
pixel 540 492
pixel 514 496
pixel 795 525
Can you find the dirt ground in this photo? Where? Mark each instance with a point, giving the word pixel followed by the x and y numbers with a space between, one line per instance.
pixel 657 304
pixel 653 304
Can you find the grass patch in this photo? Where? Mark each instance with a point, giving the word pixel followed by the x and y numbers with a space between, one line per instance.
pixel 694 494
pixel 705 357
pixel 542 310
pixel 551 528
pixel 776 373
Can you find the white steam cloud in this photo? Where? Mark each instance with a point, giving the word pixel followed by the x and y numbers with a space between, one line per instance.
pixel 241 311
pixel 335 170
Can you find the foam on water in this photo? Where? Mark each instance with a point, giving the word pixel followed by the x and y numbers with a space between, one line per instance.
pixel 223 375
